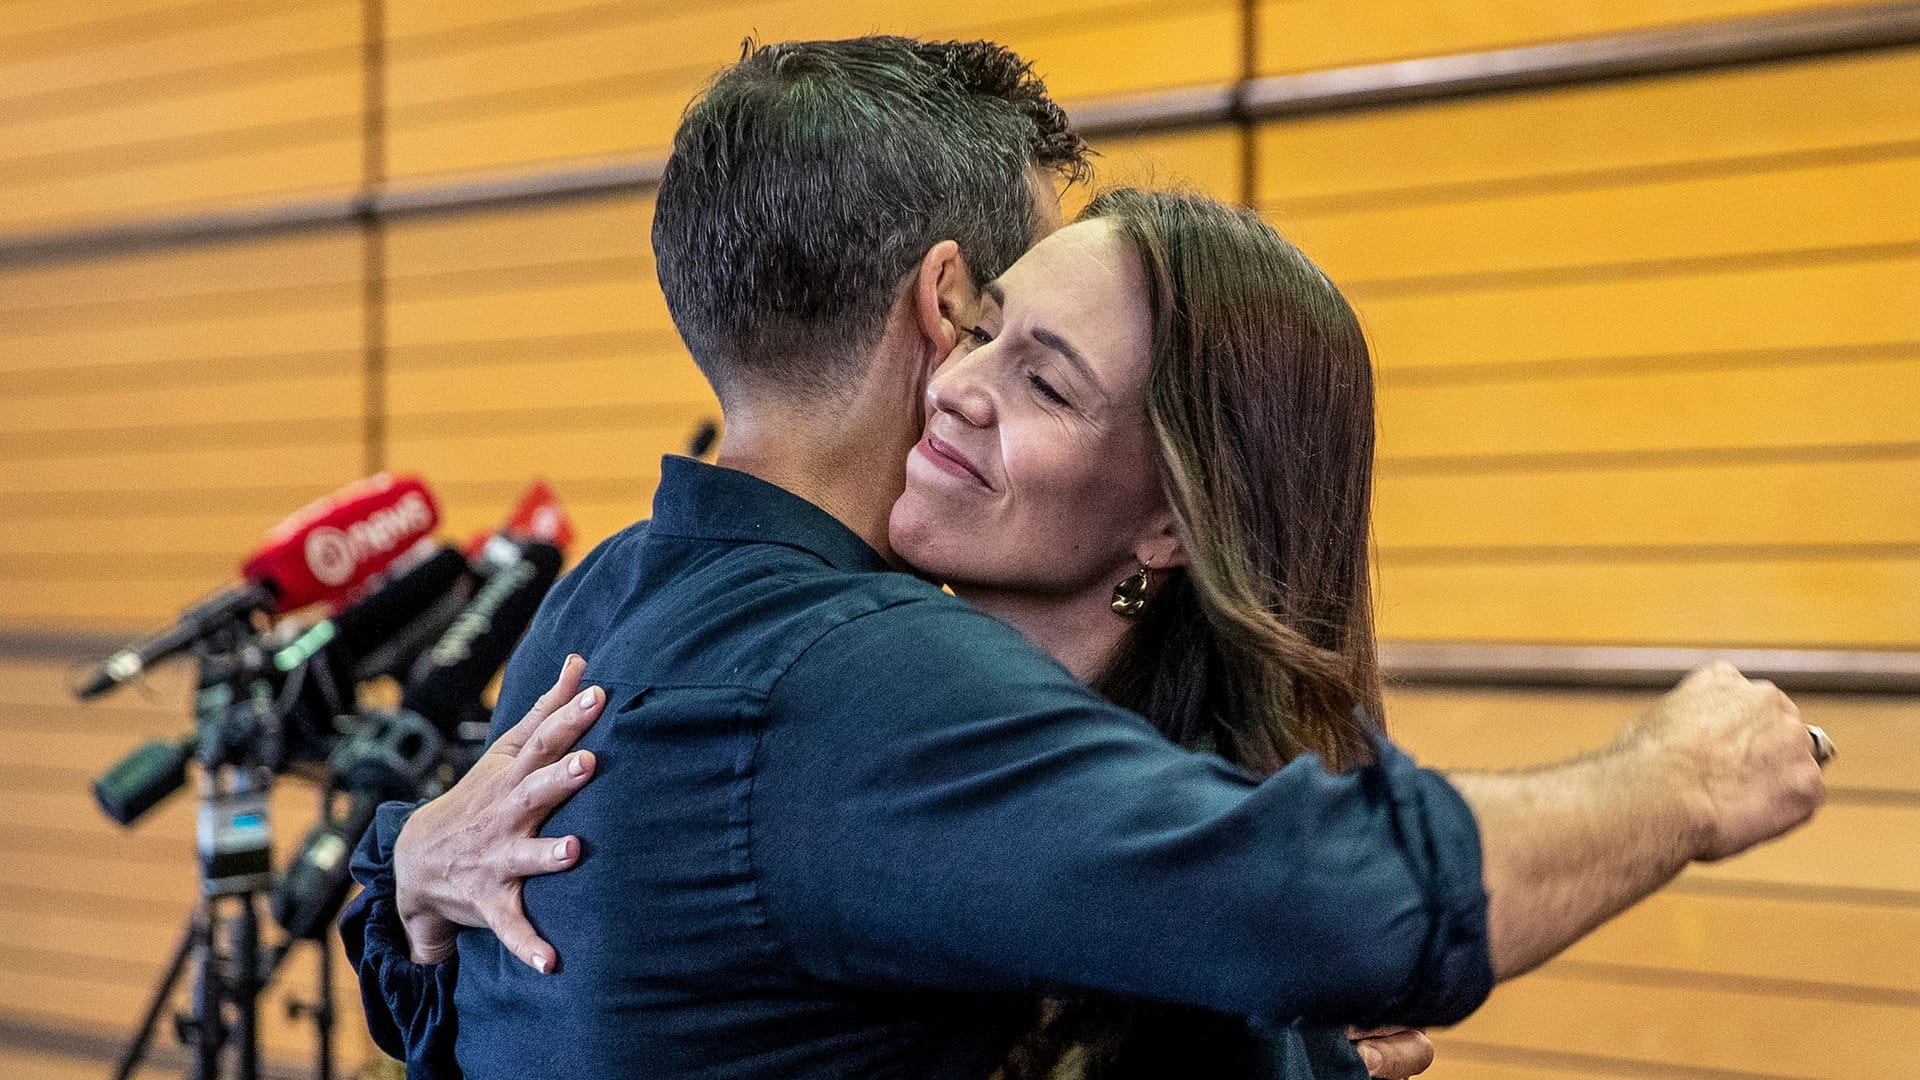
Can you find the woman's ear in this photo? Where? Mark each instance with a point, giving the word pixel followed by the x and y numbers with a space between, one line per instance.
pixel 944 297
pixel 1160 546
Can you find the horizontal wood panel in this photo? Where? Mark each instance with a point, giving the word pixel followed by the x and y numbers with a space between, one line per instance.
pixel 116 1004
pixel 133 131
pixel 1739 118
pixel 49 24
pixel 598 229
pixel 140 404
pixel 1306 36
pixel 1846 846
pixel 1578 409
pixel 327 161
pixel 1123 48
pixel 1817 503
pixel 1206 160
pixel 115 116
pixel 1744 216
pixel 27 683
pixel 256 334
pixel 87 752
pixel 1788 602
pixel 1696 1027
pixel 1452 1063
pixel 231 537
pixel 1838 946
pixel 97 480
pixel 500 102
pixel 85 74
pixel 615 380
pixel 119 722
pixel 434 27
pixel 1503 729
pixel 1848 303
pixel 99 602
pixel 49 1065
pixel 529 309
pixel 522 450
pixel 206 274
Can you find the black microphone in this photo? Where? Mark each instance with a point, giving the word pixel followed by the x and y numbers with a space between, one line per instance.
pixel 224 608
pixel 448 680
pixel 367 624
pixel 329 658
pixel 391 755
pixel 385 756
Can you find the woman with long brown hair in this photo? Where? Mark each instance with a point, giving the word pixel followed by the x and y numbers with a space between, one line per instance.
pixel 1154 457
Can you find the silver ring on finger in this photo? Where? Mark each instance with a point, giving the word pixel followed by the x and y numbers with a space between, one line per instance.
pixel 1823 748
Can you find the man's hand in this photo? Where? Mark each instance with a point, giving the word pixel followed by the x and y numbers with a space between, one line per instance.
pixel 1741 746
pixel 1393 1053
pixel 460 859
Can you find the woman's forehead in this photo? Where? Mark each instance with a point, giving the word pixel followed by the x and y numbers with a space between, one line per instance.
pixel 1087 255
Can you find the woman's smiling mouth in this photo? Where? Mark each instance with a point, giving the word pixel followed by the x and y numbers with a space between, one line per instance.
pixel 948 460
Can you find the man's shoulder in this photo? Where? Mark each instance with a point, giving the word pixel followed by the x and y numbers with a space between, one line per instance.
pixel 647 606
pixel 896 630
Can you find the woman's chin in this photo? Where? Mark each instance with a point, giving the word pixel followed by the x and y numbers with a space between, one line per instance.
pixel 918 538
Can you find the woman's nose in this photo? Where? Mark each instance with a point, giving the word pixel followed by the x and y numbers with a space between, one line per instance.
pixel 959 387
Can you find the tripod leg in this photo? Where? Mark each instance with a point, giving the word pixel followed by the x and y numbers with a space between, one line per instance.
pixel 323 1011
pixel 246 988
pixel 209 1022
pixel 136 1050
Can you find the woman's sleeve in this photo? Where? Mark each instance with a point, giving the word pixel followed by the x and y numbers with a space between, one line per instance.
pixel 409 1006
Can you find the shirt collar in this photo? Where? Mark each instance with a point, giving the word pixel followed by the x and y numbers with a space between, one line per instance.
pixel 708 502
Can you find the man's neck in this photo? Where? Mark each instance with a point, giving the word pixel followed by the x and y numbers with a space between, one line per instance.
pixel 842 459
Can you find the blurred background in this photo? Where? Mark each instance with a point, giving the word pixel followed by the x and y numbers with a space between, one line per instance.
pixel 1642 280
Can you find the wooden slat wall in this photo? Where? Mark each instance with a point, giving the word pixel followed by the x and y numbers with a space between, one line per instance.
pixel 537 340
pixel 1654 347
pixel 504 82
pixel 1793 961
pixel 1313 35
pixel 159 412
pixel 1649 355
pixel 134 107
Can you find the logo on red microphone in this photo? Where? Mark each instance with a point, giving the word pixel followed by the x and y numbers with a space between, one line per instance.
pixel 333 554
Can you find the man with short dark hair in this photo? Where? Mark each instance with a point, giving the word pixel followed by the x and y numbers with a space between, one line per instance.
pixel 846 822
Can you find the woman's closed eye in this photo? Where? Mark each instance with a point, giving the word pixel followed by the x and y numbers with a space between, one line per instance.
pixel 977 335
pixel 1046 390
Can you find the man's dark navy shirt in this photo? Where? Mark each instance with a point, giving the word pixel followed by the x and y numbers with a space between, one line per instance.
pixel 845 825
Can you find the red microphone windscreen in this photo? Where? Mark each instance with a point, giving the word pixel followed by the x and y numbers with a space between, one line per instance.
pixel 334 544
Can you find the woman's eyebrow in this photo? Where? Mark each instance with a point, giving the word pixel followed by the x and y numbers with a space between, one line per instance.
pixel 1072 355
pixel 1049 339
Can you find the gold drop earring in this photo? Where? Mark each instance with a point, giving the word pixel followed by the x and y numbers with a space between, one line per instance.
pixel 1130 596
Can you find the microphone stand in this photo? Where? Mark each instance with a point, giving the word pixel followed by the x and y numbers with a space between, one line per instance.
pixel 239 741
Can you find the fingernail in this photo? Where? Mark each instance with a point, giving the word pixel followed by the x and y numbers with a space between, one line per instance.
pixel 560 851
pixel 589 697
pixel 577 765
pixel 541 963
pixel 572 658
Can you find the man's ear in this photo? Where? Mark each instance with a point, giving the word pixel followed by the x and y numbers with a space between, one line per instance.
pixel 944 298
